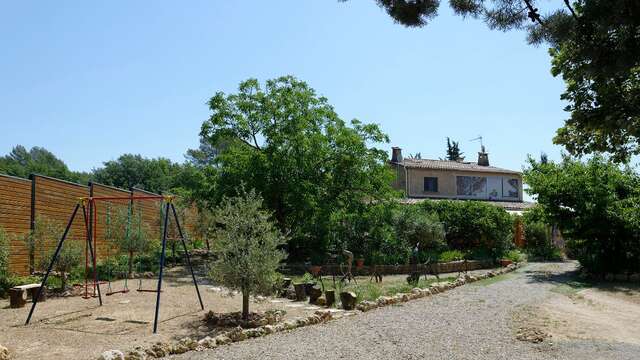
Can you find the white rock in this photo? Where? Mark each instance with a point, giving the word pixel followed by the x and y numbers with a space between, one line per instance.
pixel 107 355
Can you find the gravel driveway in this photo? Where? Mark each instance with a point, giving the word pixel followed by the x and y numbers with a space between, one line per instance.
pixel 469 322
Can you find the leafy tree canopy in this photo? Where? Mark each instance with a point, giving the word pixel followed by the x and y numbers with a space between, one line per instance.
pixel 155 175
pixel 596 204
pixel 289 144
pixel 21 162
pixel 247 247
pixel 595 47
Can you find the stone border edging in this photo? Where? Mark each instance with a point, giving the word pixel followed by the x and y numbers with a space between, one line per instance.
pixel 160 349
pixel 435 288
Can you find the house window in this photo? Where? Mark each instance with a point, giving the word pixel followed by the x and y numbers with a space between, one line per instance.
pixel 430 184
pixel 511 188
pixel 475 186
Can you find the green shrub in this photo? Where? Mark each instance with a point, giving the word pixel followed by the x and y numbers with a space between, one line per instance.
pixel 451 255
pixel 418 228
pixel 473 225
pixel 11 281
pixel 538 241
pixel 46 232
pixel 69 258
pixel 4 254
pixel 515 256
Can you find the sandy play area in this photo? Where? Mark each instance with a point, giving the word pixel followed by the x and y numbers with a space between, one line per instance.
pixel 75 328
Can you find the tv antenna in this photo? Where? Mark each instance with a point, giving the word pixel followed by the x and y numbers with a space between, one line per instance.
pixel 481 143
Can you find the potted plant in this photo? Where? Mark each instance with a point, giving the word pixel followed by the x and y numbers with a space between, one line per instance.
pixel 330 296
pixel 301 293
pixel 505 262
pixel 315 270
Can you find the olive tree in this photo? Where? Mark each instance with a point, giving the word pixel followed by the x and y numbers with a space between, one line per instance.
pixel 4 254
pixel 247 247
pixel 69 257
pixel 129 232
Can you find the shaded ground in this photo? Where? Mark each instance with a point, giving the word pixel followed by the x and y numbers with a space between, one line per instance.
pixel 477 321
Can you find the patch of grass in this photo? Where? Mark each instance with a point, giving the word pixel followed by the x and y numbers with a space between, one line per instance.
pixel 493 280
pixel 371 291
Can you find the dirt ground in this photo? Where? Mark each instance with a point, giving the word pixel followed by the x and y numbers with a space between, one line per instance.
pixel 75 328
pixel 607 312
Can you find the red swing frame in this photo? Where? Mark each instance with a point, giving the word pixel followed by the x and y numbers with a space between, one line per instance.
pixel 90 222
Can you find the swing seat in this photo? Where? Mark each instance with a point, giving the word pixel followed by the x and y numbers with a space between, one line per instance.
pixel 148 290
pixel 123 291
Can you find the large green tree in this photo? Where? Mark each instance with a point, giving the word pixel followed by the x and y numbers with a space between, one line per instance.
pixel 21 162
pixel 289 144
pixel 596 204
pixel 595 47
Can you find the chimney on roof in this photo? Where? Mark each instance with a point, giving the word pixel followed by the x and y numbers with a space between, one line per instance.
pixel 483 157
pixel 396 155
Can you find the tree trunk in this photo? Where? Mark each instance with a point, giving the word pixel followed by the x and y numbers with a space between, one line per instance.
pixel 245 304
pixel 130 264
pixel 32 262
pixel 63 280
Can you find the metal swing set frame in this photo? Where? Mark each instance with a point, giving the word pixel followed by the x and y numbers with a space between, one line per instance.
pixel 89 213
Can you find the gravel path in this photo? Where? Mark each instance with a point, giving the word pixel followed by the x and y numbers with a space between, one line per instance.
pixel 469 322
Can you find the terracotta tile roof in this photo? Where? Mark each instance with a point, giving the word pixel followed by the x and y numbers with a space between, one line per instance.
pixel 507 205
pixel 453 165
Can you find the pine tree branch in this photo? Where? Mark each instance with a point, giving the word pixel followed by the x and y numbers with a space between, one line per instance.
pixel 573 13
pixel 533 13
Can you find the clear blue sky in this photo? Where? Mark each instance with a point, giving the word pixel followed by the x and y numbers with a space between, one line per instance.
pixel 92 80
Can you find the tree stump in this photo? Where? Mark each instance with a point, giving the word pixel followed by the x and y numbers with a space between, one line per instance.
pixel 330 296
pixel 348 300
pixel 17 298
pixel 413 278
pixel 301 294
pixel 314 293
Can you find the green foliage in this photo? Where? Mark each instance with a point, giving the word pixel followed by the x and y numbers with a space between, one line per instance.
pixel 128 230
pixel 117 267
pixel 538 240
pixel 597 205
pixel 10 281
pixel 46 233
pixel 417 228
pixel 451 255
pixel 453 151
pixel 372 291
pixel 316 173
pixel 155 175
pixel 473 224
pixel 515 256
pixel 247 247
pixel 304 279
pixel 69 257
pixel 4 254
pixel 595 47
pixel 22 162
pixel 600 64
